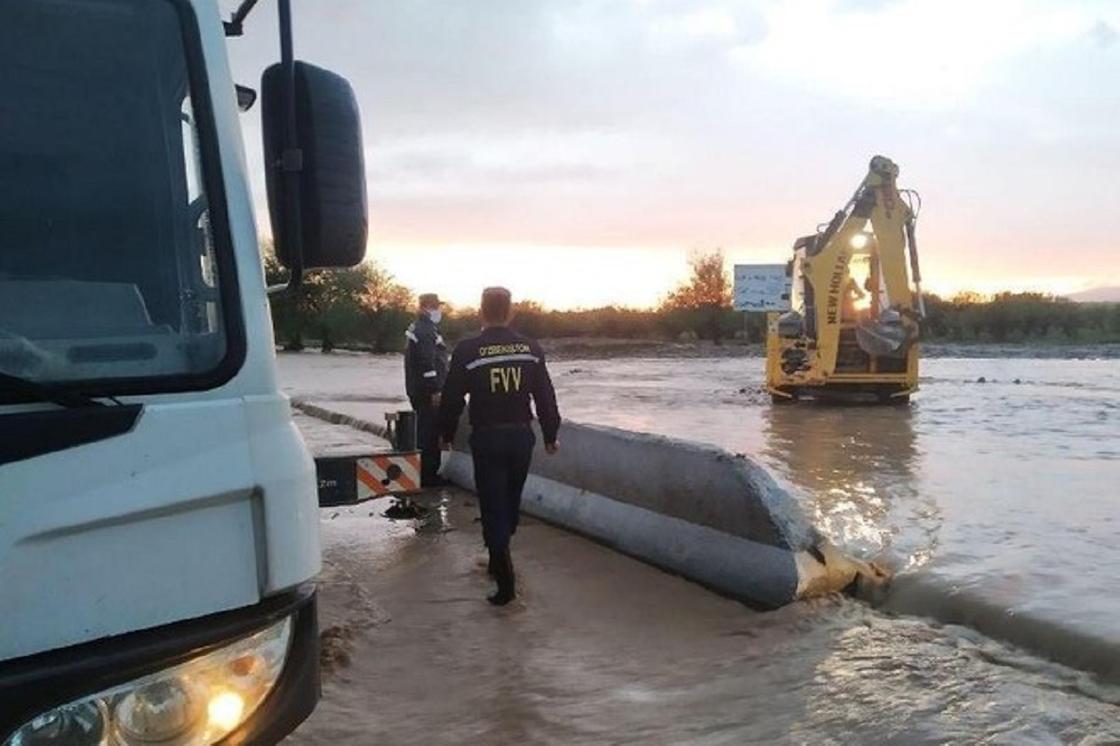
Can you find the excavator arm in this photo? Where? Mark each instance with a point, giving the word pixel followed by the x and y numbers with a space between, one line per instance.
pixel 828 256
pixel 889 218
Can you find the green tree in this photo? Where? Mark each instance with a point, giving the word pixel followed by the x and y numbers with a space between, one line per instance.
pixel 387 307
pixel 937 322
pixel 1097 316
pixel 529 318
pixel 998 319
pixel 459 323
pixel 362 305
pixel 290 314
pixel 1066 318
pixel 703 301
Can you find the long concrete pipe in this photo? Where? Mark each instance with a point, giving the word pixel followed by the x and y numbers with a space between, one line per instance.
pixel 708 515
pixel 713 517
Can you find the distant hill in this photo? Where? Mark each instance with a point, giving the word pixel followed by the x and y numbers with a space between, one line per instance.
pixel 1097 295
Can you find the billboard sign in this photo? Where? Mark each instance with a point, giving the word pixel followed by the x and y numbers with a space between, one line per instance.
pixel 762 287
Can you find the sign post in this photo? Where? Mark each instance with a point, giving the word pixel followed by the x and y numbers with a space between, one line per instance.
pixel 762 287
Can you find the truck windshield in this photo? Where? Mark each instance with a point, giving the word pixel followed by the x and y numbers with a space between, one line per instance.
pixel 108 263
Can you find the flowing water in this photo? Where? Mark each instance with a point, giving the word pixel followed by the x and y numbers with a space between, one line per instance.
pixel 996 502
pixel 1006 494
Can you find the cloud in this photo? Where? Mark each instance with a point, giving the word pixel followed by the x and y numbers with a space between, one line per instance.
pixel 1104 34
pixel 719 25
pixel 905 54
pixel 863 6
pixel 482 166
pixel 714 122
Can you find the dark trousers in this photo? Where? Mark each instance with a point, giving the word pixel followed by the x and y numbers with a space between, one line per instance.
pixel 427 438
pixel 501 464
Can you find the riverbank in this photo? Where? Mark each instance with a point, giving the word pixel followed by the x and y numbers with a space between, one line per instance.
pixel 603 348
pixel 597 348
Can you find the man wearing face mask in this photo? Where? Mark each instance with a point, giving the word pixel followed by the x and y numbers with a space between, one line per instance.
pixel 425 370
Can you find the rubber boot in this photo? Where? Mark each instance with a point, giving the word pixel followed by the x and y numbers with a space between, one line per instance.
pixel 503 567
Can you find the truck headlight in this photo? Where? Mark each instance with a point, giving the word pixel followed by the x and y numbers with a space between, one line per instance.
pixel 193 704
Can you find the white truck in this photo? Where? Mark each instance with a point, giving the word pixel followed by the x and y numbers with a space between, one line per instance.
pixel 158 514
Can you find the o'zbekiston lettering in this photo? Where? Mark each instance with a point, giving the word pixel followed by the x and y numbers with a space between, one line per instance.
pixel 510 349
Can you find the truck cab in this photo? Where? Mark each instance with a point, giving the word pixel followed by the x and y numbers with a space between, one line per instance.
pixel 158 508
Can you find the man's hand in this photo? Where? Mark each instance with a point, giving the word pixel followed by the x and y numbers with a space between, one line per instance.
pixel 551 448
pixel 437 397
pixel 444 445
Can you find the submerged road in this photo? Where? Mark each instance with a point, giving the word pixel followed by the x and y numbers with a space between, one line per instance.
pixel 603 649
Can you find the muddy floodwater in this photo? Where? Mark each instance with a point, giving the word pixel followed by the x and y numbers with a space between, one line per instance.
pixel 998 504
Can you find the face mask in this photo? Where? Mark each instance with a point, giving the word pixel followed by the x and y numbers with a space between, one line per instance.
pixel 435 315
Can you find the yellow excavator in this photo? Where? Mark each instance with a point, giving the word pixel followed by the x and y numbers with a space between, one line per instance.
pixel 855 301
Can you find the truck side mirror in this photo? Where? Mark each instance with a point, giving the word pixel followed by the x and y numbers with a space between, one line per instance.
pixel 328 189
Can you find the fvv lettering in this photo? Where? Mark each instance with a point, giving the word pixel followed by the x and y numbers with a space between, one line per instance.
pixel 505 380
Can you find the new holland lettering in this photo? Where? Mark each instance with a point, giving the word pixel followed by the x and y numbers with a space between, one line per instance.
pixel 835 283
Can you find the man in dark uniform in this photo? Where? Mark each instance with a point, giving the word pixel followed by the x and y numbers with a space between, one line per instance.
pixel 500 370
pixel 425 370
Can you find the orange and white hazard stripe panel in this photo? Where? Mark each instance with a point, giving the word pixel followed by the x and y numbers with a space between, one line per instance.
pixel 387 475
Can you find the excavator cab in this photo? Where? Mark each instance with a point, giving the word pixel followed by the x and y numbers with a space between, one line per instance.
pixel 855 301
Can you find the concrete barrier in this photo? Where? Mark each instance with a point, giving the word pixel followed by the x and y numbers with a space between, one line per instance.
pixel 713 517
pixel 698 511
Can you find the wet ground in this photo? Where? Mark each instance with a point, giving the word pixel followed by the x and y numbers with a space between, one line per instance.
pixel 996 493
pixel 603 649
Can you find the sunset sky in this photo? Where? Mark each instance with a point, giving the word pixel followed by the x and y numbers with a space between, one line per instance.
pixel 577 151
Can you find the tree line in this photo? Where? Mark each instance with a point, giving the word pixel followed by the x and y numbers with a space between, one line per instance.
pixel 365 308
pixel 1019 317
